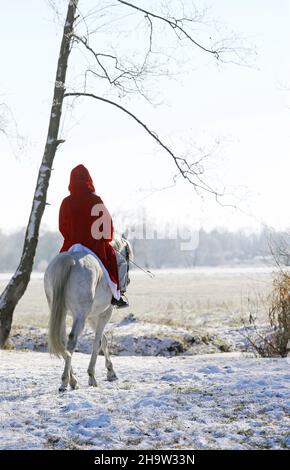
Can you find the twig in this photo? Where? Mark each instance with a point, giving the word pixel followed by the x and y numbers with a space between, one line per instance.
pixel 185 169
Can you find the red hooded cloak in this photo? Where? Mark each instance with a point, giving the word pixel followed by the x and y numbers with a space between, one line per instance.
pixel 76 221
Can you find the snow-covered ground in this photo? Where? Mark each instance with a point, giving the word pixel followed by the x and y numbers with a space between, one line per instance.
pixel 223 401
pixel 138 338
pixel 131 337
pixel 173 392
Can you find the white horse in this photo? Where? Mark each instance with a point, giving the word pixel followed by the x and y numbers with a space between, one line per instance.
pixel 75 283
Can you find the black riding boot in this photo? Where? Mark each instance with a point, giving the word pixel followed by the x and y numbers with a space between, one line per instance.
pixel 121 303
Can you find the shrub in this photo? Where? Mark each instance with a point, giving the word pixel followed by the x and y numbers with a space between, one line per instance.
pixel 276 342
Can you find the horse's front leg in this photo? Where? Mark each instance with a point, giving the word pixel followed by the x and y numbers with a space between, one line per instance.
pixel 111 375
pixel 100 323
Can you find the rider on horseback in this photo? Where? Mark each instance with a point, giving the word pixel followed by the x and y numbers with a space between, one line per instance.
pixel 85 220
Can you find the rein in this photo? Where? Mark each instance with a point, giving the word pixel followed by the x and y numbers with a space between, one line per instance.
pixel 127 257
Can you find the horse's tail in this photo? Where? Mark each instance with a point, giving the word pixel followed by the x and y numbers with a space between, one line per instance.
pixel 59 272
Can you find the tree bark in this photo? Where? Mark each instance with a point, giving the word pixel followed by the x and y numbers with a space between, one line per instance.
pixel 18 283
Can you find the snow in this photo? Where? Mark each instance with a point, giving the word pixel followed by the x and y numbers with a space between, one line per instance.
pixel 133 337
pixel 31 226
pixel 216 401
pixel 126 337
pixel 44 168
pixel 130 336
pixel 174 390
pixel 38 193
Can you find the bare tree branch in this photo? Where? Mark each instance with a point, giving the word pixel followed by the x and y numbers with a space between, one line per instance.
pixel 129 77
pixel 123 74
pixel 9 128
pixel 175 23
pixel 190 172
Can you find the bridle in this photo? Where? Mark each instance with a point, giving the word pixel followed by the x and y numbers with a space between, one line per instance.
pixel 127 257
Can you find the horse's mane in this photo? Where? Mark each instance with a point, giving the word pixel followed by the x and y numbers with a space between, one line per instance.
pixel 120 243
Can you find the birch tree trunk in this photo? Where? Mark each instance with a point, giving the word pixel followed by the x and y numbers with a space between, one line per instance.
pixel 18 283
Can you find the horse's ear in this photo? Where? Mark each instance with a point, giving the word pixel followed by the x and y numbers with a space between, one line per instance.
pixel 116 242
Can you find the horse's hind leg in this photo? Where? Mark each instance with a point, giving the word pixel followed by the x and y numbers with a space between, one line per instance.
pixel 67 361
pixel 111 375
pixel 73 380
pixel 99 324
pixel 68 375
pixel 77 328
pixel 66 372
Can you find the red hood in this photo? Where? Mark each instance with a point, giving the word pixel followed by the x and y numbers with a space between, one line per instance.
pixel 80 180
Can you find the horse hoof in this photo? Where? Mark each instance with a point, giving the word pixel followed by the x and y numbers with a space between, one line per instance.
pixel 92 382
pixel 112 377
pixel 62 389
pixel 74 385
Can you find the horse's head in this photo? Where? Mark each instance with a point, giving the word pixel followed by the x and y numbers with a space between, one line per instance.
pixel 124 248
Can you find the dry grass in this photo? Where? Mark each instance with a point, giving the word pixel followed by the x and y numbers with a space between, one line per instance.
pixel 279 313
pixel 277 340
pixel 188 298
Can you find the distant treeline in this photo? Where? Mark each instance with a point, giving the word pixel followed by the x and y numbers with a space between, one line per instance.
pixel 215 248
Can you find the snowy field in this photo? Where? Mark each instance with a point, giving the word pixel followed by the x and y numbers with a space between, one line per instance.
pixel 221 401
pixel 206 304
pixel 201 297
pixel 176 390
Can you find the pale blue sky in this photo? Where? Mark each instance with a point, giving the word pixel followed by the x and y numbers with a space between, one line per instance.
pixel 247 108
